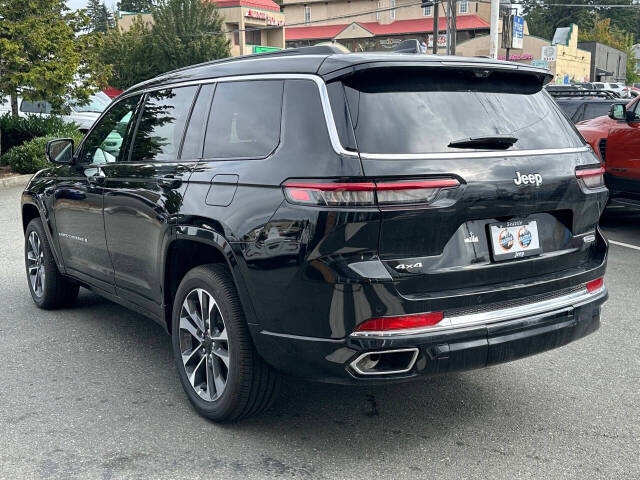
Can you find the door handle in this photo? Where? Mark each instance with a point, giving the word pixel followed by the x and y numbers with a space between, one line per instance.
pixel 97 178
pixel 170 182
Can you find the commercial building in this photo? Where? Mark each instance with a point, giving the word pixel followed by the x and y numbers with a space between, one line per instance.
pixel 561 55
pixel 377 25
pixel 253 26
pixel 608 64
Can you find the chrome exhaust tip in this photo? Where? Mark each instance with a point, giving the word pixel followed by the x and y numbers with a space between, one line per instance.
pixel 385 362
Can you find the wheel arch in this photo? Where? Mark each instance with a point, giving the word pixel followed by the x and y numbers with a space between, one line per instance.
pixel 190 247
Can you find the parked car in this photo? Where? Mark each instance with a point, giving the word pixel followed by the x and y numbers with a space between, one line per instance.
pixel 82 115
pixel 585 104
pixel 616 139
pixel 351 218
pixel 619 88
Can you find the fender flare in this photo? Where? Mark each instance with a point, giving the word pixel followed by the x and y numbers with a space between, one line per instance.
pixel 32 199
pixel 213 239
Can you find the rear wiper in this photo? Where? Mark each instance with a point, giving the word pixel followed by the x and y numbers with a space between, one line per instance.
pixel 498 142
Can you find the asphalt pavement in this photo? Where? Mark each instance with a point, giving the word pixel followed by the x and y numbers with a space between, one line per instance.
pixel 92 393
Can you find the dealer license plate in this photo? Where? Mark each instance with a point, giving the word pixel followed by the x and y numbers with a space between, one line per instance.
pixel 514 239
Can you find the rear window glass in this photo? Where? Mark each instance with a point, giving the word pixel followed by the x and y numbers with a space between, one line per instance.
pixel 244 121
pixel 415 112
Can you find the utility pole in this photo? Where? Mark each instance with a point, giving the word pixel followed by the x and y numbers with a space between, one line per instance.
pixel 454 25
pixel 493 32
pixel 436 14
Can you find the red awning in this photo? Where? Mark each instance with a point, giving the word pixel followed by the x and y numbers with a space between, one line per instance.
pixel 399 27
pixel 112 92
pixel 261 4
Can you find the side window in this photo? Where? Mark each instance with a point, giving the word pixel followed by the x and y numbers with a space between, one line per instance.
pixel 106 142
pixel 193 139
pixel 35 107
pixel 636 111
pixel 244 121
pixel 594 110
pixel 161 125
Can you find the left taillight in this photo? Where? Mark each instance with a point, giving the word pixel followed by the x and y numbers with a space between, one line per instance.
pixel 591 177
pixel 418 192
pixel 403 322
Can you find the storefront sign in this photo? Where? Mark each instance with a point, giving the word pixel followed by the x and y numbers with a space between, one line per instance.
pixel 518 32
pixel 540 63
pixel 259 15
pixel 549 53
pixel 442 41
pixel 389 42
pixel 524 56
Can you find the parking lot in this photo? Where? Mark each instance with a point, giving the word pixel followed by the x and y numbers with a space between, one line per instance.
pixel 92 392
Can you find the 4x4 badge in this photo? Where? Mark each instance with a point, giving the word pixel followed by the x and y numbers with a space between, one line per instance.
pixel 471 238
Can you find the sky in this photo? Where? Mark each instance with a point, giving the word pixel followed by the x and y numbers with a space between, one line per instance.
pixel 75 4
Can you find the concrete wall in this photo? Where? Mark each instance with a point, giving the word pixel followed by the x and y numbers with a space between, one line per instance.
pixel 606 58
pixel 321 9
pixel 532 47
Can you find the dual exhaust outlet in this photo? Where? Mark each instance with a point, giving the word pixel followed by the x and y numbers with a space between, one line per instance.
pixel 385 362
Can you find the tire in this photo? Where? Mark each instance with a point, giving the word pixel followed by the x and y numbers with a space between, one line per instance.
pixel 250 385
pixel 49 289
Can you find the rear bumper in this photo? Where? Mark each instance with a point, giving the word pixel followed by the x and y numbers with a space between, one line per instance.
pixel 468 341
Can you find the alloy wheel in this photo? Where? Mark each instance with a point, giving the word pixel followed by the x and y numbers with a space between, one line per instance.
pixel 204 344
pixel 35 264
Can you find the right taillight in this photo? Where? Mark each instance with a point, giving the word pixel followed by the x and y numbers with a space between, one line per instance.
pixel 591 177
pixel 408 192
pixel 595 285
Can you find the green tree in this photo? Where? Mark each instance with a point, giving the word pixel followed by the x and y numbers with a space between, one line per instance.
pixel 128 54
pixel 603 32
pixel 543 18
pixel 100 18
pixel 182 33
pixel 186 32
pixel 137 6
pixel 43 54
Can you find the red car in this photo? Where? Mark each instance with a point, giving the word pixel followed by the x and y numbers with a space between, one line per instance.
pixel 616 139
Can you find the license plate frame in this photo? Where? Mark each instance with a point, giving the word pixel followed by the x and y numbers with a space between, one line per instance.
pixel 514 239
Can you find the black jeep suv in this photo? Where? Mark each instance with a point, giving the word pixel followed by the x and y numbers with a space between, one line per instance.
pixel 350 218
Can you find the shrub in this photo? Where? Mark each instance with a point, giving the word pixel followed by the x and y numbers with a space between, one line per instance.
pixel 15 131
pixel 29 157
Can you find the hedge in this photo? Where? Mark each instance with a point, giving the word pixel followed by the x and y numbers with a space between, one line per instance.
pixel 15 131
pixel 29 157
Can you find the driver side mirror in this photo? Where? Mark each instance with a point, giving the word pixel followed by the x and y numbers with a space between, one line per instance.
pixel 60 151
pixel 618 111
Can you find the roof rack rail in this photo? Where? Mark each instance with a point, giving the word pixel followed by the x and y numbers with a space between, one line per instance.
pixel 324 49
pixel 566 92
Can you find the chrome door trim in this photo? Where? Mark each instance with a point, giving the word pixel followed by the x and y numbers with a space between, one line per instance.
pixel 570 300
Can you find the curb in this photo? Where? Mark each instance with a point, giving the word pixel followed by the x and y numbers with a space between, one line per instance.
pixel 15 181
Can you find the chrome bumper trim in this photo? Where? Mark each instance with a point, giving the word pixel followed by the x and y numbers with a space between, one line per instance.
pixel 573 299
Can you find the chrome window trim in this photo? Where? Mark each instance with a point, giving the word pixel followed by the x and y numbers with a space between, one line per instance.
pixel 331 125
pixel 456 155
pixel 568 301
pixel 322 89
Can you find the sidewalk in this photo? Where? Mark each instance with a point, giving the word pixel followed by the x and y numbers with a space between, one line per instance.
pixel 14 180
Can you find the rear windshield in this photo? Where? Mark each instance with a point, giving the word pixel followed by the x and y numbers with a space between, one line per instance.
pixel 410 111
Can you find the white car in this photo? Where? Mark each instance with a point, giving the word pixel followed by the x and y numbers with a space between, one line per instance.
pixel 83 116
pixel 620 88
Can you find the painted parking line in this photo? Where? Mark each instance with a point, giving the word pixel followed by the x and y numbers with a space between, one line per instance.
pixel 621 244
